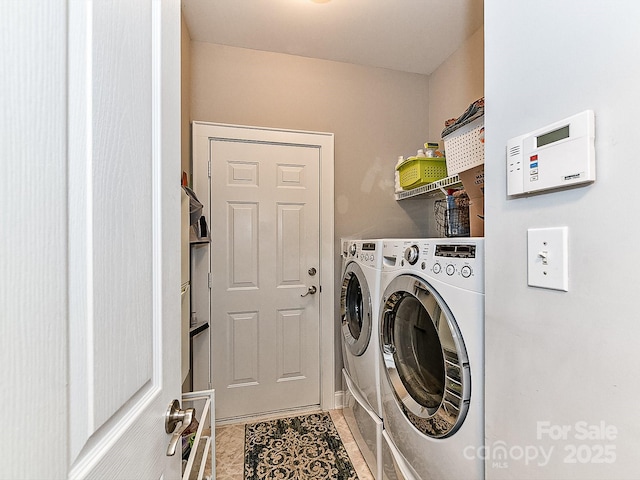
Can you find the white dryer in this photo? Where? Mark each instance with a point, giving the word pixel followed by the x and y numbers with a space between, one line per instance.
pixel 359 302
pixel 432 345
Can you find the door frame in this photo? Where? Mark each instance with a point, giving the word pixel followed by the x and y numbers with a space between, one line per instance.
pixel 201 133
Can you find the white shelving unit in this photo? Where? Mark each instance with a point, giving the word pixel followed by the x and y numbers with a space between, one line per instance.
pixel 202 450
pixel 200 308
pixel 204 443
pixel 430 189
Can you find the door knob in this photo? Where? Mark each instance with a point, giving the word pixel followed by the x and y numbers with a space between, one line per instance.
pixel 174 416
pixel 312 271
pixel 312 289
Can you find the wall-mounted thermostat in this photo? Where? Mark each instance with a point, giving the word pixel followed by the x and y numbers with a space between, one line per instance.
pixel 559 155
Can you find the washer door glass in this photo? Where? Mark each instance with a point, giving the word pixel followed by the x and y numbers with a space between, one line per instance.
pixel 425 358
pixel 355 306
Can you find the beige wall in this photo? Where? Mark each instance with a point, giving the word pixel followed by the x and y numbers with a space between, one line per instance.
pixel 456 83
pixel 375 114
pixel 453 86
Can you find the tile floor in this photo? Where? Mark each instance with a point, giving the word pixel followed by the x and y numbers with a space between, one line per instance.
pixel 230 449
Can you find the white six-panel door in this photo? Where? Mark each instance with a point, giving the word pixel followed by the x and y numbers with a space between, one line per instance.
pixel 91 161
pixel 264 256
pixel 124 236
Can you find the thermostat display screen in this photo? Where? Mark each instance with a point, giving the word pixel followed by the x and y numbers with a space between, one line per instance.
pixel 552 136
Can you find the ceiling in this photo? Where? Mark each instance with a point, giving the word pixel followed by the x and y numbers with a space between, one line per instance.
pixel 407 35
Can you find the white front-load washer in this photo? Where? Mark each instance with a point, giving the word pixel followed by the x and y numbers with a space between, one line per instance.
pixel 432 353
pixel 359 301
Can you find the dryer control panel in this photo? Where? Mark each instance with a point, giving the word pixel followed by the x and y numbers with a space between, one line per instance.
pixel 365 252
pixel 458 262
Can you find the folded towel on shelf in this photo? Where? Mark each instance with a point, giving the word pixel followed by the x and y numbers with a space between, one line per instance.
pixel 475 110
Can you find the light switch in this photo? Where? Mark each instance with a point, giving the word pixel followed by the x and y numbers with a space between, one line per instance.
pixel 547 258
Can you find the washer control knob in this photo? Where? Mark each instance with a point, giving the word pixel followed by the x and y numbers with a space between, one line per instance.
pixel 411 254
pixel 353 249
pixel 465 271
pixel 437 268
pixel 450 270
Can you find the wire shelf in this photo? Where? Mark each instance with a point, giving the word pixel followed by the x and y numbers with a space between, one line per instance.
pixel 430 189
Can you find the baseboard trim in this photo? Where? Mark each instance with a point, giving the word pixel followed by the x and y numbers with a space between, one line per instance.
pixel 338 400
pixel 263 417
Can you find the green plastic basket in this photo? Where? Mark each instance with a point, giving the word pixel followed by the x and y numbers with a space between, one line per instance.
pixel 417 171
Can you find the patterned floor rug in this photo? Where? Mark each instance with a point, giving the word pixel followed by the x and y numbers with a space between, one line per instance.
pixel 298 448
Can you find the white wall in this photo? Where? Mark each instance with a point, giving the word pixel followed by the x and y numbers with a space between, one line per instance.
pixel 554 356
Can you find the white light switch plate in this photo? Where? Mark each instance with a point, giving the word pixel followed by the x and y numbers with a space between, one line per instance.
pixel 547 258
